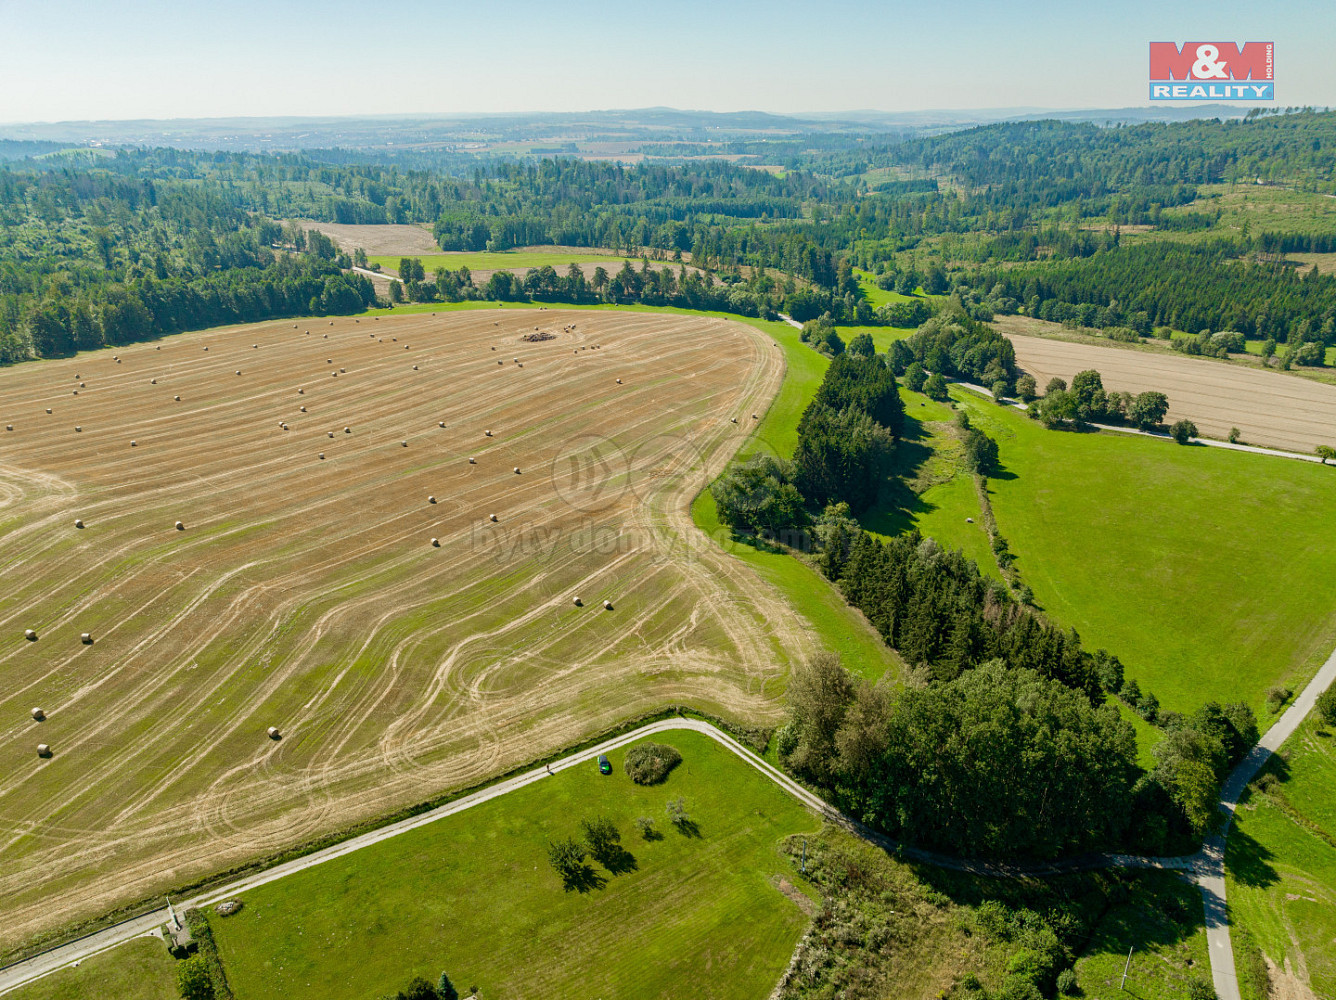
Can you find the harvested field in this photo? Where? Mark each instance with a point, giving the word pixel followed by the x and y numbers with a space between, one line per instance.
pixel 408 240
pixel 302 593
pixel 1271 409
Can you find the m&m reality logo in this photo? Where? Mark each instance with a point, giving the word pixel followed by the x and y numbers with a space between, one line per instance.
pixel 1212 71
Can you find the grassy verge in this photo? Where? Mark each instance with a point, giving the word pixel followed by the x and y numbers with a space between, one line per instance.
pixel 137 970
pixel 1281 862
pixel 473 894
pixel 1159 917
pixel 1210 573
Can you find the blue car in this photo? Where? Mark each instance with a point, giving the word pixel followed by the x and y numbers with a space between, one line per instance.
pixel 603 766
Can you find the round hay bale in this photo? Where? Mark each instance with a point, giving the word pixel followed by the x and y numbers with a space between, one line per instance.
pixel 517 360
pixel 473 461
pixel 38 715
pixel 347 430
pixel 322 456
pixel 440 423
pixel 177 398
pixel 435 543
pixel 579 603
pixel 491 517
pixel 329 361
pixel 134 444
pixel 303 409
pixel 238 371
pixel 517 470
pixel 733 419
pixel 76 392
pixel 301 392
pixel 206 348
pixel 254 346
pixel 43 750
pixel 180 526
pixel 415 368
pixel 619 381
pixel 331 433
pixel 607 605
pixel 77 429
pixel 405 347
pixel 78 522
pixel 48 409
pixel 431 499
pixel 152 381
pixel 83 385
pixel 30 635
pixel 494 347
pixel 499 361
pixel 273 733
pixel 86 638
pixel 487 433
pixel 343 371
pixel 404 443
pixel 334 374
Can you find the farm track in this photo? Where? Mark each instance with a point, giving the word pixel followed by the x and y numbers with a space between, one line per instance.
pixel 304 594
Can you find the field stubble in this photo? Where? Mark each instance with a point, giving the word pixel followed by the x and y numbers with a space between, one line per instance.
pixel 305 593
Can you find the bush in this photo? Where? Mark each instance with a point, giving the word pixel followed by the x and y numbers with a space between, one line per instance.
pixel 1183 431
pixel 1326 706
pixel 1026 389
pixel 645 824
pixel 1276 697
pixel 1067 983
pixel 1200 989
pixel 193 980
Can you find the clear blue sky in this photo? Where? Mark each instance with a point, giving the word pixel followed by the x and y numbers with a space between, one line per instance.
pixel 71 59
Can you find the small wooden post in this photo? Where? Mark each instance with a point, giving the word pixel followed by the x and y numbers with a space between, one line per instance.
pixel 1123 985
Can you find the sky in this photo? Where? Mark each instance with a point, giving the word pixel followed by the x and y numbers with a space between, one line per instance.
pixel 122 59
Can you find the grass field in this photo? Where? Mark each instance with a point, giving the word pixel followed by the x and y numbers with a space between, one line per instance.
pixel 1281 862
pixel 1211 574
pixel 878 297
pixel 304 593
pixel 1161 920
pixel 932 491
pixel 473 894
pixel 138 970
pixel 1262 207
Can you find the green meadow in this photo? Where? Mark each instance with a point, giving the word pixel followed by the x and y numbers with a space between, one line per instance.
pixel 137 970
pixel 1210 573
pixel 694 913
pixel 1281 862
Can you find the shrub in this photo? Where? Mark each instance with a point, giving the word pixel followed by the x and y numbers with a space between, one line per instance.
pixel 649 763
pixel 193 980
pixel 1234 435
pixel 1276 697
pixel 1200 989
pixel 645 824
pixel 1026 389
pixel 1326 706
pixel 1067 983
pixel 1183 431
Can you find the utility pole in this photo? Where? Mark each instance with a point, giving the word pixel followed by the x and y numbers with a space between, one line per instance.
pixel 1123 985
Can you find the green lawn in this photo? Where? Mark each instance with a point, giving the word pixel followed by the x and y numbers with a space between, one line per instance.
pixel 473 894
pixel 882 336
pixel 137 970
pixel 1281 861
pixel 932 490
pixel 511 258
pixel 1161 920
pixel 876 296
pixel 1210 573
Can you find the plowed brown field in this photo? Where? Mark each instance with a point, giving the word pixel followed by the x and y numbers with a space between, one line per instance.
pixel 306 594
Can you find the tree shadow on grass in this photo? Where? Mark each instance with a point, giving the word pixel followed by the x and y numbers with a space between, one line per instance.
pixel 583 879
pixel 687 828
pixel 1250 861
pixel 617 860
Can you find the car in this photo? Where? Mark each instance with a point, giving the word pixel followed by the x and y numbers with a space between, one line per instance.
pixel 603 766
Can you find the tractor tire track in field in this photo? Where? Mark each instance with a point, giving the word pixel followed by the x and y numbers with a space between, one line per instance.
pixel 303 593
